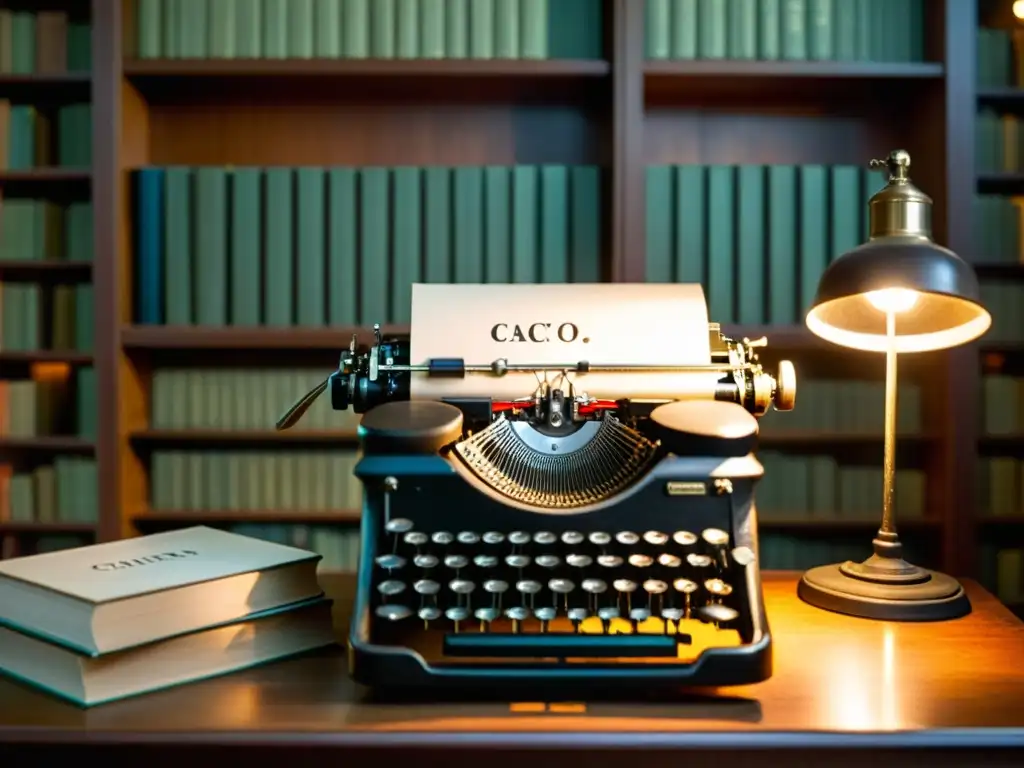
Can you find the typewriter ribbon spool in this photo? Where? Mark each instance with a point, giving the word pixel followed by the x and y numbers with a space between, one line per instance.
pixel 552 500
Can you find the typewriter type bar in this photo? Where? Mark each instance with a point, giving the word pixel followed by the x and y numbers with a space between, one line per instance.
pixel 561 646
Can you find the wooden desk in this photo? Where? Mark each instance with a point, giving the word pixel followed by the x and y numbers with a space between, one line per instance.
pixel 929 695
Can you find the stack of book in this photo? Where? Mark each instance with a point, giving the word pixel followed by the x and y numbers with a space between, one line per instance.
pixel 104 622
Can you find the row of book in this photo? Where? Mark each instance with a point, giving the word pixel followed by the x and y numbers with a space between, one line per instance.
pixel 42 230
pixel 1005 302
pixel 845 407
pixel 58 317
pixel 359 29
pixel 219 246
pixel 1002 571
pixel 788 551
pixel 281 481
pixel 1002 405
pixel 999 142
pixel 33 138
pixel 60 404
pixel 66 491
pixel 997 229
pixel 1000 58
pixel 18 546
pixel 820 488
pixel 757 237
pixel 239 399
pixel 338 546
pixel 44 42
pixel 1000 486
pixel 824 30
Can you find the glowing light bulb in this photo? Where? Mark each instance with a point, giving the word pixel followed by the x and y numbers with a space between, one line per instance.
pixel 892 299
pixel 1018 9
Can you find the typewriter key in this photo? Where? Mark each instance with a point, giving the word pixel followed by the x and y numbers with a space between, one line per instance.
pixel 545 537
pixel 572 538
pixel 487 615
pixel 655 587
pixel 529 587
pixel 671 614
pixel 687 587
pixel 579 561
pixel 698 561
pixel 743 556
pixel 457 614
pixel 606 615
pixel 638 615
pixel 656 538
pixel 442 537
pixel 429 613
pixel 485 561
pixel 517 561
pixel 684 538
pixel 391 587
pixel 517 614
pixel 609 561
pixel 416 538
pixel 547 561
pixel 455 562
pixel 594 586
pixel 393 612
pixel 461 586
pixel 496 587
pixel 398 525
pixel 424 561
pixel 600 538
pixel 519 537
pixel 669 561
pixel 627 537
pixel 718 588
pixel 716 613
pixel 715 537
pixel 390 562
pixel 627 588
pixel 493 537
pixel 426 587
pixel 576 615
pixel 544 615
pixel 640 561
pixel 467 537
pixel 561 586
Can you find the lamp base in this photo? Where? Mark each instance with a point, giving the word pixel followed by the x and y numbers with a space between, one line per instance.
pixel 885 587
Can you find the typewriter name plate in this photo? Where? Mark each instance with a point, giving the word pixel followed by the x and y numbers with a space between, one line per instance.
pixel 686 488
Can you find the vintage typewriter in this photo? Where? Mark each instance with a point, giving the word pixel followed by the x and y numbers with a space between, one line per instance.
pixel 559 486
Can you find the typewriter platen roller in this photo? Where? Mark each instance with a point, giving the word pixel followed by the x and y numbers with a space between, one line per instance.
pixel 527 521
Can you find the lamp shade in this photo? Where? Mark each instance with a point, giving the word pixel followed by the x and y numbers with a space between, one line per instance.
pixel 931 293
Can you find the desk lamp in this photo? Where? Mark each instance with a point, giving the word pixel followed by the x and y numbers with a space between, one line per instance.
pixel 899 292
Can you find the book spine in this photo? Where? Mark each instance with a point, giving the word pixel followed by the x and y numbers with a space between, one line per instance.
pixel 813 231
pixel 246 250
pixel 248 28
pixel 457 29
pixel 383 29
pixel 310 228
pixel 342 247
pixel 506 25
pixel 554 224
pixel 327 15
pixel 223 44
pixel 713 33
pixel 659 261
pixel 584 222
pixel 524 224
pixel 721 243
pixel 468 232
pixel 177 249
pixel 750 299
pixel 658 29
pixel 275 29
pixel 148 28
pixel 481 29
pixel 407 228
pixel 150 187
pixel 683 19
pixel 211 246
pixel 278 282
pixel 300 29
pixel 743 33
pixel 690 216
pixel 497 225
pixel 432 43
pixel 437 215
pixel 408 29
pixel 375 245
pixel 782 244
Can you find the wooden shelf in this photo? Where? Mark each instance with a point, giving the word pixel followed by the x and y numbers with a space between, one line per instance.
pixel 820 80
pixel 53 445
pixel 164 517
pixel 45 356
pixel 64 86
pixel 70 183
pixel 1007 97
pixel 1001 183
pixel 24 271
pixel 189 338
pixel 1001 445
pixel 45 529
pixel 205 439
pixel 136 69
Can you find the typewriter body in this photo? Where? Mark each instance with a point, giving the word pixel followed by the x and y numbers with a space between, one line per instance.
pixel 558 488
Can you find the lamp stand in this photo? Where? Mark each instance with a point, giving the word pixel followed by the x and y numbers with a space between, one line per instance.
pixel 885 586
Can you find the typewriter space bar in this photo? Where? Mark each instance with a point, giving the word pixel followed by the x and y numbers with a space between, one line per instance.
pixel 556 645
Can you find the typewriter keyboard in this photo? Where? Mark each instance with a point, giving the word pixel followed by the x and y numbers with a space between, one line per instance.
pixel 598 594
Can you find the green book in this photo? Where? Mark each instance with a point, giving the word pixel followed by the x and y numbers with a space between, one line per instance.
pixel 814 244
pixel 375 245
pixel 178 282
pixel 432 23
pixel 750 250
pixel 193 21
pixel 468 224
pixel 506 26
pixel 355 27
pixel 683 18
pixel 79 47
pixel 437 215
pixel 311 308
pixel 223 44
pixel 481 29
pixel 457 28
pixel 794 29
pixel 248 28
pixel 846 210
pixel 845 15
pixel 659 266
pixel 211 246
pixel 23 43
pixel 407 234
pixel 246 264
pixel 533 26
pixel 327 21
pixel 300 29
pixel 658 29
pixel 712 40
pixel 554 224
pixel 585 224
pixel 743 32
pixel 721 243
pixel 342 261
pixel 275 29
pixel 85 313
pixel 691 229
pixel 279 233
pixel 497 224
pixel 769 25
pixel 407 29
pixel 383 27
pixel 148 24
pixel 524 224
pixel 782 244
pixel 822 29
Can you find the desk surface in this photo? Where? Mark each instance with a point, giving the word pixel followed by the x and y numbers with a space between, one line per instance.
pixel 838 682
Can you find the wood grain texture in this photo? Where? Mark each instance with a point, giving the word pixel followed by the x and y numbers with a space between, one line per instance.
pixel 839 684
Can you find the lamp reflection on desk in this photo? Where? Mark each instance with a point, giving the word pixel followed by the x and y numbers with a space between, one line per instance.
pixel 863 694
pixel 899 292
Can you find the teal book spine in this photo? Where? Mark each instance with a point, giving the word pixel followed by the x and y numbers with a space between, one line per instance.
pixel 769 28
pixel 751 267
pixel 684 29
pixel 721 243
pixel 355 27
pixel 585 223
pixel 248 28
pixel 533 26
pixel 275 29
pixel 432 43
pixel 782 244
pixel 524 224
pixel 222 30
pixel 147 20
pixel 846 210
pixel 658 29
pixel 659 262
pixel 456 33
pixel 246 251
pixel 300 29
pixel 497 224
pixel 813 231
pixel 742 21
pixel 407 29
pixel 311 309
pixel 794 29
pixel 374 205
pixel 691 229
pixel 408 237
pixel 211 246
pixel 506 26
pixel 383 26
pixel 178 246
pixel 481 29
pixel 279 234
pixel 554 224
pixel 713 35
pixel 821 29
pixel 170 31
pixel 468 224
pixel 845 15
pixel 437 215
pixel 341 244
pixel 327 14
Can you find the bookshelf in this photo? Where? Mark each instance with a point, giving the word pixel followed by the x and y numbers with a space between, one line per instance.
pixel 607 95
